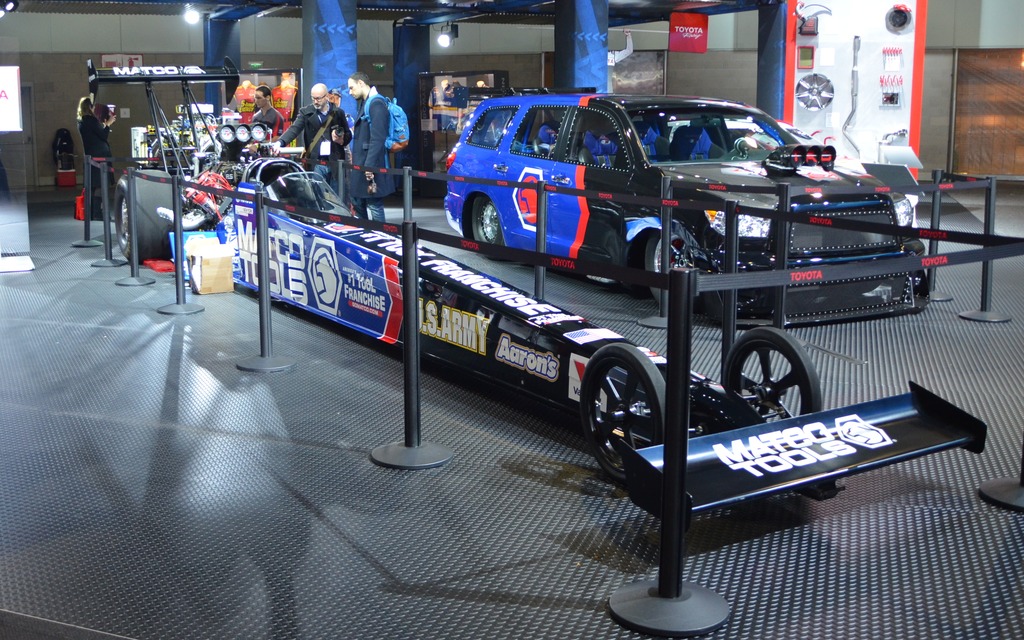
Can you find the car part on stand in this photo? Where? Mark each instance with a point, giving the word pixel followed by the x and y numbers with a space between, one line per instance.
pixel 853 95
pixel 898 18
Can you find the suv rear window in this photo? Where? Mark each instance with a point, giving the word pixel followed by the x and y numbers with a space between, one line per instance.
pixel 490 127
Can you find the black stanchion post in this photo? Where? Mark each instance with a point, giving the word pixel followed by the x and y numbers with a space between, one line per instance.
pixel 134 280
pixel 266 361
pixel 933 245
pixel 660 321
pixel 87 240
pixel 407 194
pixel 413 453
pixel 1005 492
pixel 180 307
pixel 108 256
pixel 540 271
pixel 985 313
pixel 343 182
pixel 782 228
pixel 675 608
pixel 729 297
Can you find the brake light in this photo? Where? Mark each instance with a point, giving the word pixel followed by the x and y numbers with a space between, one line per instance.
pixel 449 160
pixel 811 158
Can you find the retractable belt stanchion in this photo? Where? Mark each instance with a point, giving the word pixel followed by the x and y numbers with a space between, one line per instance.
pixel 985 313
pixel 729 298
pixel 660 321
pixel 1005 492
pixel 407 194
pixel 672 607
pixel 180 308
pixel 540 271
pixel 266 361
pixel 87 240
pixel 782 228
pixel 933 245
pixel 134 280
pixel 108 257
pixel 413 453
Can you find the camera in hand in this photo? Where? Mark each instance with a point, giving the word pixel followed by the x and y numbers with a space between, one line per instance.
pixel 372 187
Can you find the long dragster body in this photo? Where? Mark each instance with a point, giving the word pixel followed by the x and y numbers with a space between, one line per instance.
pixel 498 333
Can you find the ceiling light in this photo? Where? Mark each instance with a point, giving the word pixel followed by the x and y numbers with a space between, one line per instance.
pixel 192 16
pixel 10 5
pixel 448 33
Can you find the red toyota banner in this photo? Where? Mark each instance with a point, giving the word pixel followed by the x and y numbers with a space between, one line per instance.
pixel 688 32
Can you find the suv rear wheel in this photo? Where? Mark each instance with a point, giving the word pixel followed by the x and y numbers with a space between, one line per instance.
pixel 486 222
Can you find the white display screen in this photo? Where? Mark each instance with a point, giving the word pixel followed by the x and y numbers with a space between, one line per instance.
pixel 10 99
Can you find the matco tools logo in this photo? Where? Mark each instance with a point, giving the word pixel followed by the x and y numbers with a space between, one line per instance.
pixel 169 70
pixel 780 451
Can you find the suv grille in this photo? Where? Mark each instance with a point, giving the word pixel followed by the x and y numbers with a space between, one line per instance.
pixel 810 238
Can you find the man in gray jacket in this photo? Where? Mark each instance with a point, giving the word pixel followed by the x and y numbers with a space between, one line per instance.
pixel 367 188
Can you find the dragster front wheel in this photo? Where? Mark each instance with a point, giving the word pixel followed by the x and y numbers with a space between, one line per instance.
pixel 771 370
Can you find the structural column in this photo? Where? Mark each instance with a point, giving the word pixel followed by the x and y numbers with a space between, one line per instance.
pixel 771 59
pixel 221 40
pixel 581 44
pixel 411 57
pixel 329 52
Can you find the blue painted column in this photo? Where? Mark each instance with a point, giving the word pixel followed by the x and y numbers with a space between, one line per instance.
pixel 411 57
pixel 771 59
pixel 221 40
pixel 329 47
pixel 581 44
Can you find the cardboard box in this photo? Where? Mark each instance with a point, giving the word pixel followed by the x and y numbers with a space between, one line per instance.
pixel 210 268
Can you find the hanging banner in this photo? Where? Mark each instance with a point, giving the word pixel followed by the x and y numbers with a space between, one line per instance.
pixel 688 33
pixel 10 99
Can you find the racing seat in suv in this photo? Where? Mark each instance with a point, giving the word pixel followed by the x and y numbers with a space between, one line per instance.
pixel 690 143
pixel 545 140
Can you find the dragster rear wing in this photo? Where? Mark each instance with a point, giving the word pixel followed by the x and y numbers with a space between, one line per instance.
pixel 773 457
pixel 228 74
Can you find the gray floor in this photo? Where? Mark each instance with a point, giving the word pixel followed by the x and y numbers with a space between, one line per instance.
pixel 150 489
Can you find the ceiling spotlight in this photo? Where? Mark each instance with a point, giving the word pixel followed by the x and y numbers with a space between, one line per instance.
pixel 192 16
pixel 448 33
pixel 10 5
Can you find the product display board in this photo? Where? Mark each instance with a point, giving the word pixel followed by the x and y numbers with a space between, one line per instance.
pixel 854 74
pixel 283 89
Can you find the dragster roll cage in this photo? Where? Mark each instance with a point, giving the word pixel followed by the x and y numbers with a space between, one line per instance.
pixel 186 75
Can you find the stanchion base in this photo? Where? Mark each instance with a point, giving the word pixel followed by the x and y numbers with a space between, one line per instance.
pixel 939 296
pixel 113 262
pixel 87 243
pixel 134 281
pixel 399 456
pixel 184 309
pixel 695 612
pixel 984 316
pixel 1004 492
pixel 265 363
pixel 654 322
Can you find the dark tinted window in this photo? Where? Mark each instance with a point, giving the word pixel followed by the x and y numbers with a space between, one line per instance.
pixel 490 127
pixel 597 141
pixel 538 133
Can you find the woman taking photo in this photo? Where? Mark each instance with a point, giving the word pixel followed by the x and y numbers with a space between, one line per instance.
pixel 94 127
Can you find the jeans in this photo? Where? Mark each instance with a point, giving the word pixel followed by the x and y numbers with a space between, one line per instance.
pixel 325 171
pixel 373 206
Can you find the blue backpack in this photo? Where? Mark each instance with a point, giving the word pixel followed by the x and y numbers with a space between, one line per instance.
pixel 398 124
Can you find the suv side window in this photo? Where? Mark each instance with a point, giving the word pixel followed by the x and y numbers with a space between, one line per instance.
pixel 597 141
pixel 538 133
pixel 490 127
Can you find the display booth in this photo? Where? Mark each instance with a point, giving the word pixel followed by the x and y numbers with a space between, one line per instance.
pixel 854 76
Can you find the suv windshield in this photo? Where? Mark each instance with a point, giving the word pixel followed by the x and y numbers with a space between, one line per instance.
pixel 686 134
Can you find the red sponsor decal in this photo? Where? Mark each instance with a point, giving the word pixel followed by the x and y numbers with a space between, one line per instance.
pixel 420 174
pixel 822 220
pixel 469 244
pixel 290 207
pixel 334 218
pixel 550 187
pixel 502 183
pixel 945 185
pixel 812 190
pixel 606 196
pixel 936 261
pixel 459 179
pixel 932 235
pixel 670 203
pixel 805 276
pixel 717 187
pixel 883 190
pixel 564 263
pixel 391 228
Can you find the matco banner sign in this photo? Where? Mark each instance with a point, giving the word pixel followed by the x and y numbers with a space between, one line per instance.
pixel 10 99
pixel 688 32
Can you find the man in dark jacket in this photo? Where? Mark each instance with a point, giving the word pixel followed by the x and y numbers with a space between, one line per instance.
pixel 368 188
pixel 324 132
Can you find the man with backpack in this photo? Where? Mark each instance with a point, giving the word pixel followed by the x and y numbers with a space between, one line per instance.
pixel 366 188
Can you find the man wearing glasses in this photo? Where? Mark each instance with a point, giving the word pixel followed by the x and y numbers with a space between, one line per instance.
pixel 324 132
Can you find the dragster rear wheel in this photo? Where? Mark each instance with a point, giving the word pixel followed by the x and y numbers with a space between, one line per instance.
pixel 622 397
pixel 771 370
pixel 153 241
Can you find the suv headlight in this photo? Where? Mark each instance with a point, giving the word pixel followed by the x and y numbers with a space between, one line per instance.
pixel 906 212
pixel 749 226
